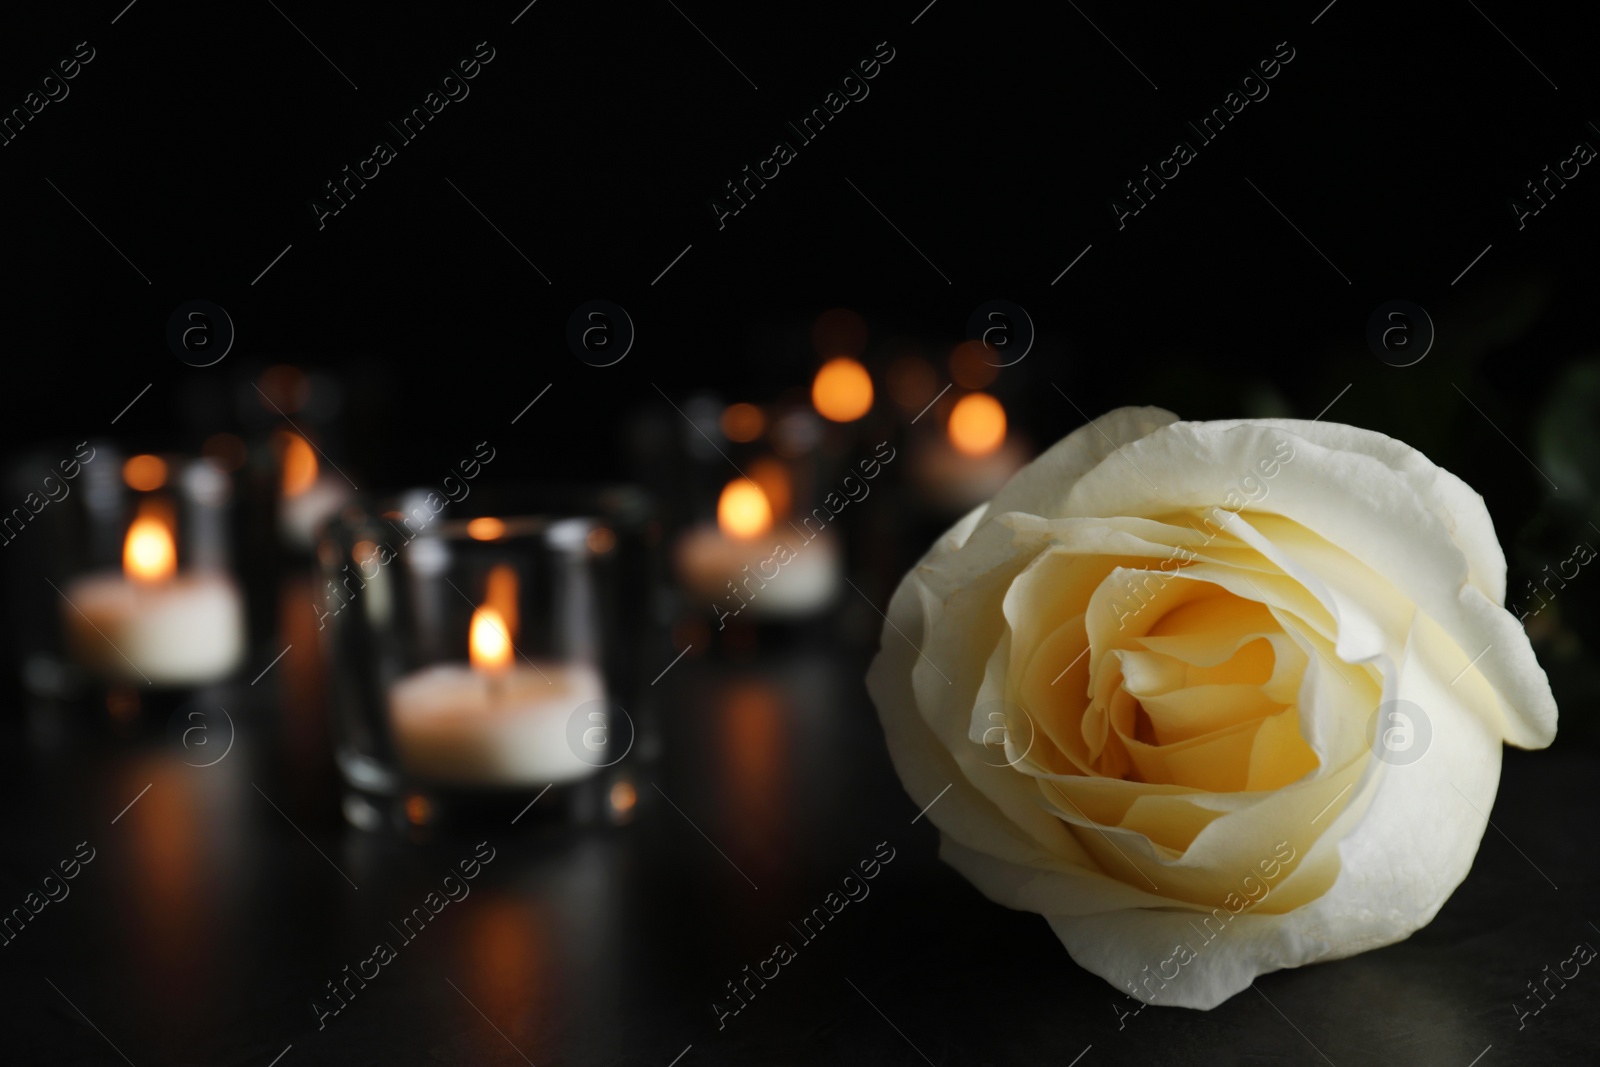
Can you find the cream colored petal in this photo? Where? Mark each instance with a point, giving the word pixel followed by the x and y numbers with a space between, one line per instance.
pixel 1189 714
pixel 1042 486
pixel 927 721
pixel 1403 840
pixel 1402 520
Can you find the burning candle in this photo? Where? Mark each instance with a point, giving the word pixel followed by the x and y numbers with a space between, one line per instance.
pixel 308 495
pixel 151 622
pixel 741 563
pixel 493 721
pixel 974 458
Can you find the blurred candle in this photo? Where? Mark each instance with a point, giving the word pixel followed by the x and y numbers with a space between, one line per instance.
pixel 972 461
pixel 740 563
pixel 151 622
pixel 308 495
pixel 493 721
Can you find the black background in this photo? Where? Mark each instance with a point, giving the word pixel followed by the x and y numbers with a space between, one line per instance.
pixel 994 141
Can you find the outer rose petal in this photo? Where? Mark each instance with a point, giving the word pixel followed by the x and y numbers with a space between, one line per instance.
pixel 1378 867
pixel 1041 487
pixel 901 676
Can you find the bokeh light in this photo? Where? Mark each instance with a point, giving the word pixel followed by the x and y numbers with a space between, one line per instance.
pixel 742 422
pixel 743 510
pixel 971 365
pixel 977 424
pixel 145 472
pixel 486 528
pixel 842 390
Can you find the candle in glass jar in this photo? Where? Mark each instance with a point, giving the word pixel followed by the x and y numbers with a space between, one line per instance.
pixel 493 721
pixel 736 564
pixel 972 461
pixel 151 623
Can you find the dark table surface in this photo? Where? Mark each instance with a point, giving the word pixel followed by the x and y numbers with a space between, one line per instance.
pixel 219 905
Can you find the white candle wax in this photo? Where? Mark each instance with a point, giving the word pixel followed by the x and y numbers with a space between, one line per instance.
pixel 798 578
pixel 182 630
pixel 468 725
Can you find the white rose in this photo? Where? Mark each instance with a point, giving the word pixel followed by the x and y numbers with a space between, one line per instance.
pixel 1215 698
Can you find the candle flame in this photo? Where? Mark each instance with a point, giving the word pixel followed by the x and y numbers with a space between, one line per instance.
pixel 148 554
pixel 842 390
pixel 299 462
pixel 977 424
pixel 743 510
pixel 489 642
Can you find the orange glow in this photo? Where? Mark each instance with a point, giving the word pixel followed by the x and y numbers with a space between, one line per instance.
pixel 756 750
pixel 972 366
pixel 977 424
pixel 419 809
pixel 601 540
pixel 148 554
pixel 501 595
pixel 299 462
pixel 170 895
pixel 623 798
pixel 742 422
pixel 507 949
pixel 486 529
pixel 145 473
pixel 842 390
pixel 773 478
pixel 743 510
pixel 489 643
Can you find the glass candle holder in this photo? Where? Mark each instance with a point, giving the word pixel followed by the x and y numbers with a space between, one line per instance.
pixel 151 600
pixel 749 551
pixel 292 418
pixel 479 663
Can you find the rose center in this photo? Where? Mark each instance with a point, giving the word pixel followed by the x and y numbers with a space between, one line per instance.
pixel 1206 697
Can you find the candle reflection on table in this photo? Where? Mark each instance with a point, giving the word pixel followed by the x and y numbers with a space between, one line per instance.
pixel 507 954
pixel 300 678
pixel 184 831
pixel 755 745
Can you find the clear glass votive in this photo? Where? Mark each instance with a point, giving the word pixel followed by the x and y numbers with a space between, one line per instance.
pixel 482 664
pixel 134 553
